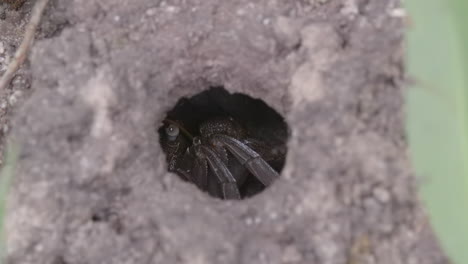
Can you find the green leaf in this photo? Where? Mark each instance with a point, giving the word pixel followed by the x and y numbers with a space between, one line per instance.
pixel 437 113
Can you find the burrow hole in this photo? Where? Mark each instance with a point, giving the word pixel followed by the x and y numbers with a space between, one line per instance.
pixel 214 137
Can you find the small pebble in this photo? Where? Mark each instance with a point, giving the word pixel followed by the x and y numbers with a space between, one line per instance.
pixel 397 12
pixel 381 194
pixel 3 105
pixel 273 215
pixel 151 12
pixel 240 12
pixel 291 254
pixel 2 48
pixel 13 99
pixel 172 9
pixel 298 210
pixel 349 8
pixel 257 220
pixel 262 256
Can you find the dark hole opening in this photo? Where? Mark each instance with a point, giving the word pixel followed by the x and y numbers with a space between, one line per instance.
pixel 231 146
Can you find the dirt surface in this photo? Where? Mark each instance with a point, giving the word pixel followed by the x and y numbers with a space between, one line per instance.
pixel 92 184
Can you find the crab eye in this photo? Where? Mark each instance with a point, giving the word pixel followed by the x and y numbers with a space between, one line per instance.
pixel 172 131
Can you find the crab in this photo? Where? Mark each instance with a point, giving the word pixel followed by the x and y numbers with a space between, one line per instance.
pixel 221 158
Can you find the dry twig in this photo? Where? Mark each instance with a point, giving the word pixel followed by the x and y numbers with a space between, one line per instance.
pixel 23 50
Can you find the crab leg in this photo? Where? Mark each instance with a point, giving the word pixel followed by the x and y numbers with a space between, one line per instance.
pixel 248 158
pixel 228 182
pixel 200 174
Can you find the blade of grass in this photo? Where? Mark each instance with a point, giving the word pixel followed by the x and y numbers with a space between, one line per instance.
pixel 437 112
pixel 6 177
pixel 22 52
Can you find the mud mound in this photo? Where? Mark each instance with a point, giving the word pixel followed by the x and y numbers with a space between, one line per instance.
pixel 93 186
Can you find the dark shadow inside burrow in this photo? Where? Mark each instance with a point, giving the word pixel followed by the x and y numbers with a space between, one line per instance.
pixel 194 121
